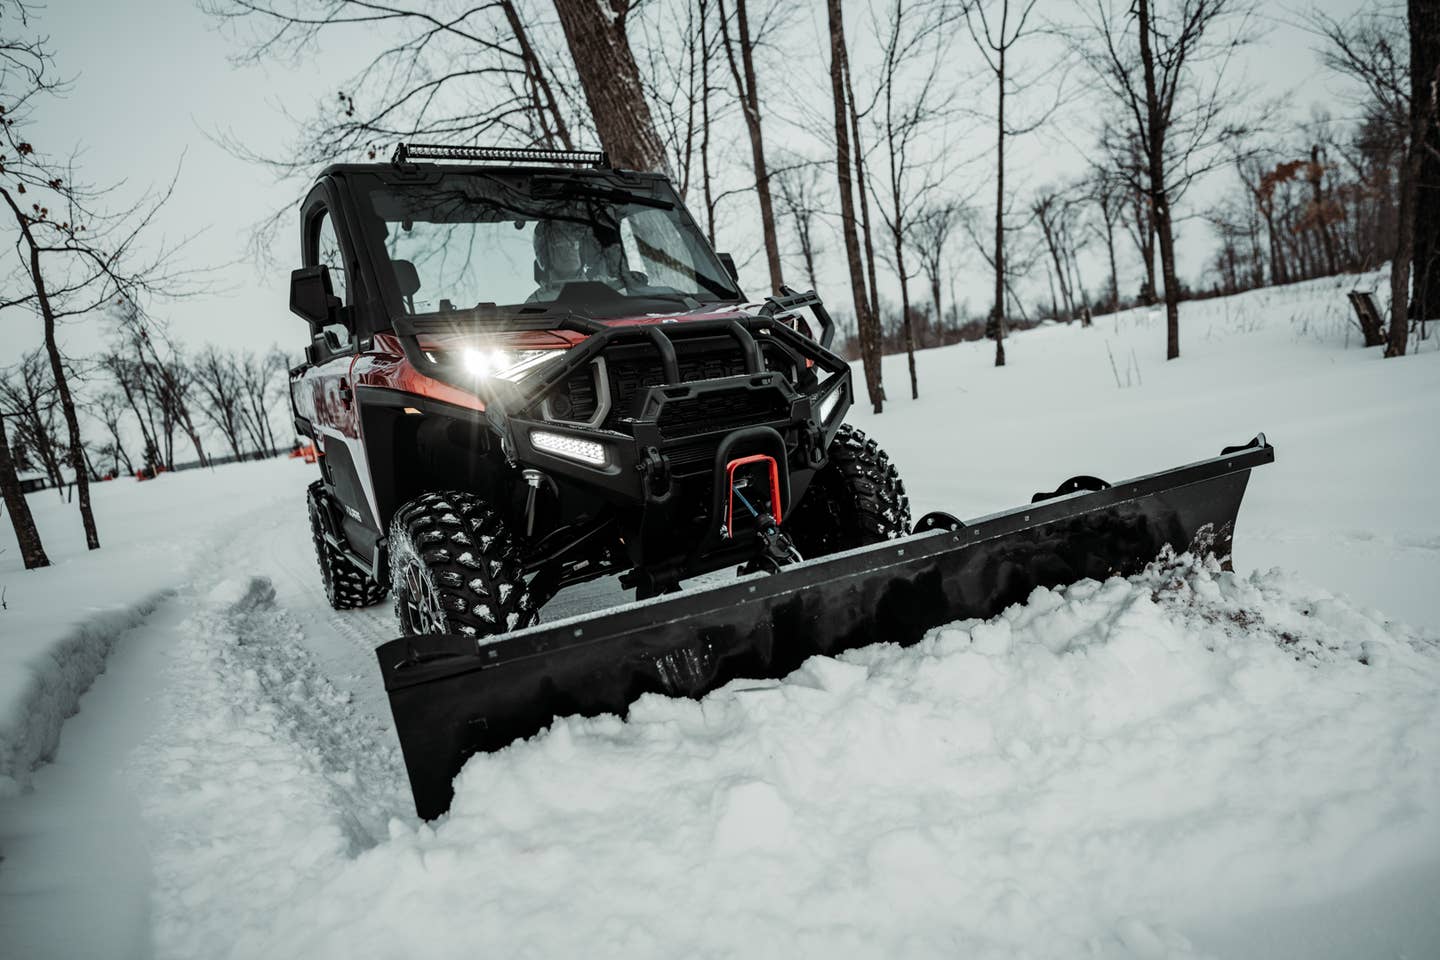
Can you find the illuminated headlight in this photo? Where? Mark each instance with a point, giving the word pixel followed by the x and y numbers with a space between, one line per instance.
pixel 828 405
pixel 510 365
pixel 572 448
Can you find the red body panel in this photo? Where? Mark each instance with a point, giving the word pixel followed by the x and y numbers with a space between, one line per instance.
pixel 385 366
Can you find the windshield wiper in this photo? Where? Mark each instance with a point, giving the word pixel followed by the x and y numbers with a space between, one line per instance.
pixel 557 187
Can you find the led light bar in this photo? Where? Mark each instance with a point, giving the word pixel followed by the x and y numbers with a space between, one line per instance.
pixel 409 152
pixel 572 448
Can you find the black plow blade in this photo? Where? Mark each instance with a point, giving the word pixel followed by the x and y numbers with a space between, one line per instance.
pixel 453 697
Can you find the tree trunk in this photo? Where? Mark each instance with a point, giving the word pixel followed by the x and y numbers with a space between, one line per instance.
pixel 595 33
pixel 1000 215
pixel 869 343
pixel 744 74
pixel 705 123
pixel 32 551
pixel 1424 78
pixel 863 188
pixel 1159 197
pixel 905 316
pixel 1114 273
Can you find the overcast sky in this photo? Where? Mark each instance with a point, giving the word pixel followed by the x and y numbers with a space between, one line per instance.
pixel 152 76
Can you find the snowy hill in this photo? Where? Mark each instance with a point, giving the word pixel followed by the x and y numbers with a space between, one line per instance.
pixel 1190 763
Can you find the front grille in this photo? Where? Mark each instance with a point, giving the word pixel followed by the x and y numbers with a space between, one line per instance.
pixel 721 411
pixel 634 368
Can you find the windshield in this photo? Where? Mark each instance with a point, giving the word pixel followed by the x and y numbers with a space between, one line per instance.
pixel 502 242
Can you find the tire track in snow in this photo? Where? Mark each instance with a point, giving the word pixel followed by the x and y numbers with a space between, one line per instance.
pixel 260 745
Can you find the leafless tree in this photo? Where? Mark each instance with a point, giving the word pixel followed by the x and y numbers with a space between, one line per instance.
pixel 929 237
pixel 799 190
pixel 29 399
pixel 71 255
pixel 167 378
pixel 261 381
pixel 868 323
pixel 466 77
pixel 742 71
pixel 1395 62
pixel 218 385
pixel 996 28
pixel 1107 194
pixel 913 34
pixel 1054 213
pixel 110 408
pixel 1166 62
pixel 600 47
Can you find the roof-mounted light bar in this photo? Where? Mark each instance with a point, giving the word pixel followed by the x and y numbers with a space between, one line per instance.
pixel 410 152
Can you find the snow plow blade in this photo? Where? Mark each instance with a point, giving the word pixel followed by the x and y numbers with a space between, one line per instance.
pixel 453 697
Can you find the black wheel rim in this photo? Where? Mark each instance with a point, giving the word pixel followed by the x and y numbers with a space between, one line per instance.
pixel 420 603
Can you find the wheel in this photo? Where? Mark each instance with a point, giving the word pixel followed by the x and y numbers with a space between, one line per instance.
pixel 346 585
pixel 855 499
pixel 455 568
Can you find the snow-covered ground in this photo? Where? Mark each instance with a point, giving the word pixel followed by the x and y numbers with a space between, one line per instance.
pixel 1191 763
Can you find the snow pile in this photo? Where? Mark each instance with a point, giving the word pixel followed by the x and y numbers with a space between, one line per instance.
pixel 1104 770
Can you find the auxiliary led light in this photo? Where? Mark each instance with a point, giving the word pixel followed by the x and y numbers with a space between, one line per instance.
pixel 510 365
pixel 827 406
pixel 572 448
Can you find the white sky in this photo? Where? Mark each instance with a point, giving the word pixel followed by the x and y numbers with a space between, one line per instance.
pixel 151 76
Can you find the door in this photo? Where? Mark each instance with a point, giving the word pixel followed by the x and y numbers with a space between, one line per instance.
pixel 328 388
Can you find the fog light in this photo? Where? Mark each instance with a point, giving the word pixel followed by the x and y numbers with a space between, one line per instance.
pixel 572 448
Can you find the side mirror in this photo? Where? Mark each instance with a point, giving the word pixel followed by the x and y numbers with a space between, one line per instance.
pixel 728 262
pixel 312 296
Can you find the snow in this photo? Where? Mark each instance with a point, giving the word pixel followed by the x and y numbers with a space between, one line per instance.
pixel 1187 763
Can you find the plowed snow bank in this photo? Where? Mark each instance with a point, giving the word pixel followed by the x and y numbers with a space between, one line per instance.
pixel 1109 768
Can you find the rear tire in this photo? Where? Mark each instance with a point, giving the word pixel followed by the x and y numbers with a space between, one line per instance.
pixel 455 568
pixel 857 498
pixel 347 587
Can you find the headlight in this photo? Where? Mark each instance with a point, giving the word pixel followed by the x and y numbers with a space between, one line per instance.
pixel 827 406
pixel 512 365
pixel 572 448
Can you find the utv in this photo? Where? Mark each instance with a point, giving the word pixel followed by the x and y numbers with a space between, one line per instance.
pixel 528 369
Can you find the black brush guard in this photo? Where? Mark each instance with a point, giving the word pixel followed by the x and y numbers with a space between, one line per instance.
pixel 453 696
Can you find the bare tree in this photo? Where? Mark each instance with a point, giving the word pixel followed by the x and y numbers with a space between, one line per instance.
pixel 929 237
pixel 912 34
pixel 71 256
pixel 595 32
pixel 867 322
pixel 1106 192
pixel 1398 76
pixel 743 73
pixel 995 34
pixel 28 396
pixel 109 408
pixel 465 77
pixel 218 384
pixel 798 188
pixel 260 380
pixel 1053 213
pixel 1166 62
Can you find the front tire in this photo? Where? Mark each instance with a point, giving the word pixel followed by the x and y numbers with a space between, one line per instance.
pixel 856 499
pixel 455 568
pixel 347 587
